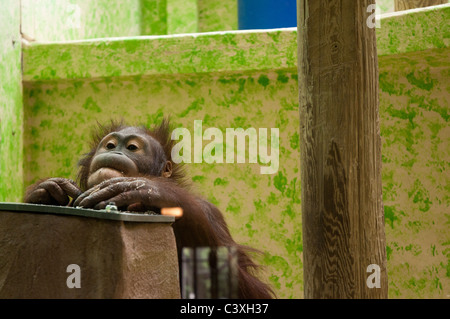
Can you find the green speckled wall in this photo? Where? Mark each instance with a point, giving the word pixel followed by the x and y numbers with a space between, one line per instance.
pixel 11 116
pixel 414 108
pixel 262 210
pixel 249 80
pixel 214 78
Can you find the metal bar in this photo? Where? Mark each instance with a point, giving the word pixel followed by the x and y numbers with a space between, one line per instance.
pixel 213 271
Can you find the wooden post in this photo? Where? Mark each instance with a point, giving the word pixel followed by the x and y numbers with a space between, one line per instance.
pixel 342 210
pixel 401 5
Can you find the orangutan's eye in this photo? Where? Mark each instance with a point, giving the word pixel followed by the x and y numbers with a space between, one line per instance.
pixel 110 145
pixel 132 147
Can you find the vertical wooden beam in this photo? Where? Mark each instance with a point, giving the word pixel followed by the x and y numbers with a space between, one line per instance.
pixel 342 210
pixel 153 17
pixel 401 5
pixel 182 16
pixel 217 15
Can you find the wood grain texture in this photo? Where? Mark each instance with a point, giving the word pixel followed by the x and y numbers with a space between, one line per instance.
pixel 401 5
pixel 343 220
pixel 116 259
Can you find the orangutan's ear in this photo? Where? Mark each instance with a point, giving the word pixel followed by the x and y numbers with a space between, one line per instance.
pixel 167 171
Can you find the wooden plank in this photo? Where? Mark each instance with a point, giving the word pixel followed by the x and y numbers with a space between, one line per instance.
pixel 155 55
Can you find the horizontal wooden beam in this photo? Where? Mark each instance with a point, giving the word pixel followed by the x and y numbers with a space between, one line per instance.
pixel 155 55
pixel 231 51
